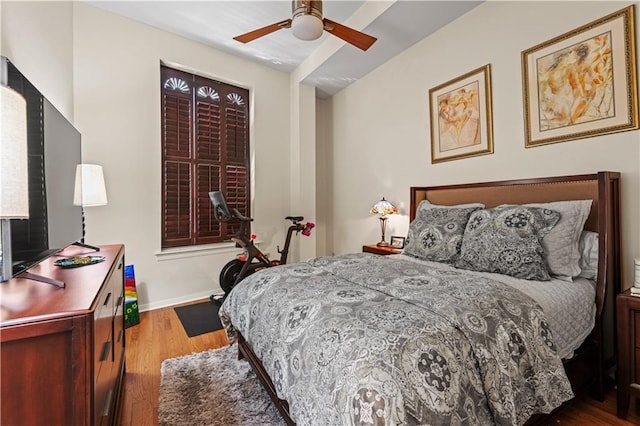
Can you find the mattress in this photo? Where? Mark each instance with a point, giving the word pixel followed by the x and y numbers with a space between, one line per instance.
pixel 569 306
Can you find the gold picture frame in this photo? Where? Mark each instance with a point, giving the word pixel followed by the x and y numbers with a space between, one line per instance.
pixel 461 117
pixel 582 83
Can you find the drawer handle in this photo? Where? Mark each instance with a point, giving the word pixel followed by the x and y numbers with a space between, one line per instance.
pixel 107 299
pixel 106 348
pixel 106 407
pixel 120 266
pixel 119 302
pixel 120 335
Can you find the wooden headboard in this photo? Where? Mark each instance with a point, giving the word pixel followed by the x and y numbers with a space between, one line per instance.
pixel 603 188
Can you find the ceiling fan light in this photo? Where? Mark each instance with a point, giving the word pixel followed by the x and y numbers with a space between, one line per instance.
pixel 307 27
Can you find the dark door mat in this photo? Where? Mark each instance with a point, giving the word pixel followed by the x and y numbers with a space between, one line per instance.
pixel 199 318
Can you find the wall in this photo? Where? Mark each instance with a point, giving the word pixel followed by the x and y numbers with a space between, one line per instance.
pixel 303 164
pixel 117 102
pixel 324 177
pixel 29 39
pixel 392 151
pixel 37 36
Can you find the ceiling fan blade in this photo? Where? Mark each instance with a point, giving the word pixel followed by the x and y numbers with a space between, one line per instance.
pixel 252 35
pixel 360 40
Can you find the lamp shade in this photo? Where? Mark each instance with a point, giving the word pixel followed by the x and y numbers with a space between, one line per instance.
pixel 89 186
pixel 383 208
pixel 14 189
pixel 307 27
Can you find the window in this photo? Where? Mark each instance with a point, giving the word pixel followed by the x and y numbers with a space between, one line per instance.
pixel 205 147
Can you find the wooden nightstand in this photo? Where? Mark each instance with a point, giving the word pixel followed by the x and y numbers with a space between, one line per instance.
pixel 628 322
pixel 372 248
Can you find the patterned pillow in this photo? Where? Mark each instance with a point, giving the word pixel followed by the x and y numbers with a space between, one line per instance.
pixel 507 240
pixel 436 232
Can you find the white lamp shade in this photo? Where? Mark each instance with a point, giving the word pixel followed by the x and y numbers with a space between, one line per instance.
pixel 89 186
pixel 14 188
pixel 307 27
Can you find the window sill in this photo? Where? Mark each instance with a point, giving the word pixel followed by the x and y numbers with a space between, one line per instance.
pixel 194 251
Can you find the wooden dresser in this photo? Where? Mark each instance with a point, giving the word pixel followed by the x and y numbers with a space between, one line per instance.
pixel 62 349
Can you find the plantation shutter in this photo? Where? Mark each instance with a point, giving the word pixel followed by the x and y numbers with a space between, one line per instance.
pixel 236 142
pixel 205 148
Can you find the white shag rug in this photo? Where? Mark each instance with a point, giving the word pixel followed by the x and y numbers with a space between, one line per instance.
pixel 213 388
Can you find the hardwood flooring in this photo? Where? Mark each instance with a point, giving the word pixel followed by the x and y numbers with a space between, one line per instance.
pixel 160 336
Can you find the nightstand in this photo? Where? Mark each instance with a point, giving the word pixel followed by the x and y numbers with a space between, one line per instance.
pixel 375 249
pixel 628 322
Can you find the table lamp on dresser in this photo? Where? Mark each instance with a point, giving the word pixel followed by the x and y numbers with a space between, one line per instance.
pixel 89 191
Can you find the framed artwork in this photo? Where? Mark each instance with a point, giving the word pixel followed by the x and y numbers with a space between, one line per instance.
pixel 397 242
pixel 461 118
pixel 582 83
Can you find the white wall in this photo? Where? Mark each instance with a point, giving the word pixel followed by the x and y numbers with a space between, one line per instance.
pixel 381 130
pixel 37 36
pixel 324 177
pixel 40 50
pixel 303 164
pixel 117 103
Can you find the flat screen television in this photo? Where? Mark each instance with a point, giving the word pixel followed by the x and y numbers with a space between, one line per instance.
pixel 54 150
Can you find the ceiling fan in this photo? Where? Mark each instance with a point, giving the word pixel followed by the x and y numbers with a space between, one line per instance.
pixel 307 23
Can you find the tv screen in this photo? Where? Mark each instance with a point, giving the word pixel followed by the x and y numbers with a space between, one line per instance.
pixel 54 150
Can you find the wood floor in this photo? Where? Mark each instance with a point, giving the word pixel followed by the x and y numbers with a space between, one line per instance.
pixel 160 336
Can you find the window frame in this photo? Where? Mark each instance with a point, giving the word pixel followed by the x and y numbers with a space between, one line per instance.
pixel 205 136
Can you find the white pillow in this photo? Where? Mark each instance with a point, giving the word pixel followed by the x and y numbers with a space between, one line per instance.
pixel 561 243
pixel 589 255
pixel 426 204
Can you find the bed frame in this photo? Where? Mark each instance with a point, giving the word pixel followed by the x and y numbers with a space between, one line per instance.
pixel 588 369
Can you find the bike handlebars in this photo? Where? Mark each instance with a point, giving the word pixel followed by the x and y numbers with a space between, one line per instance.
pixel 220 209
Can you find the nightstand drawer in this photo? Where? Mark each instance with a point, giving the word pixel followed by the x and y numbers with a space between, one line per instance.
pixel 636 367
pixel 628 333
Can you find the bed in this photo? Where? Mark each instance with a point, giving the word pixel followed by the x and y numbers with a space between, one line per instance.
pixel 365 339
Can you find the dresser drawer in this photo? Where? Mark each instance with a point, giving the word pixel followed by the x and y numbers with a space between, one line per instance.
pixel 118 335
pixel 102 326
pixel 103 395
pixel 116 284
pixel 636 328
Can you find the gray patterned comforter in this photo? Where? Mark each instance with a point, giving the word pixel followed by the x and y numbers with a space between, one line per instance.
pixel 361 339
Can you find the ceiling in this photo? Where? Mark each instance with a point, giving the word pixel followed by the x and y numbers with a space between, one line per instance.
pixel 397 24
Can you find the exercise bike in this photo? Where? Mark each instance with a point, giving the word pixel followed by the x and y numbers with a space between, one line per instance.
pixel 253 259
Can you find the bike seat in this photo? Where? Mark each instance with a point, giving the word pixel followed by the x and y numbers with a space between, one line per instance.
pixel 295 218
